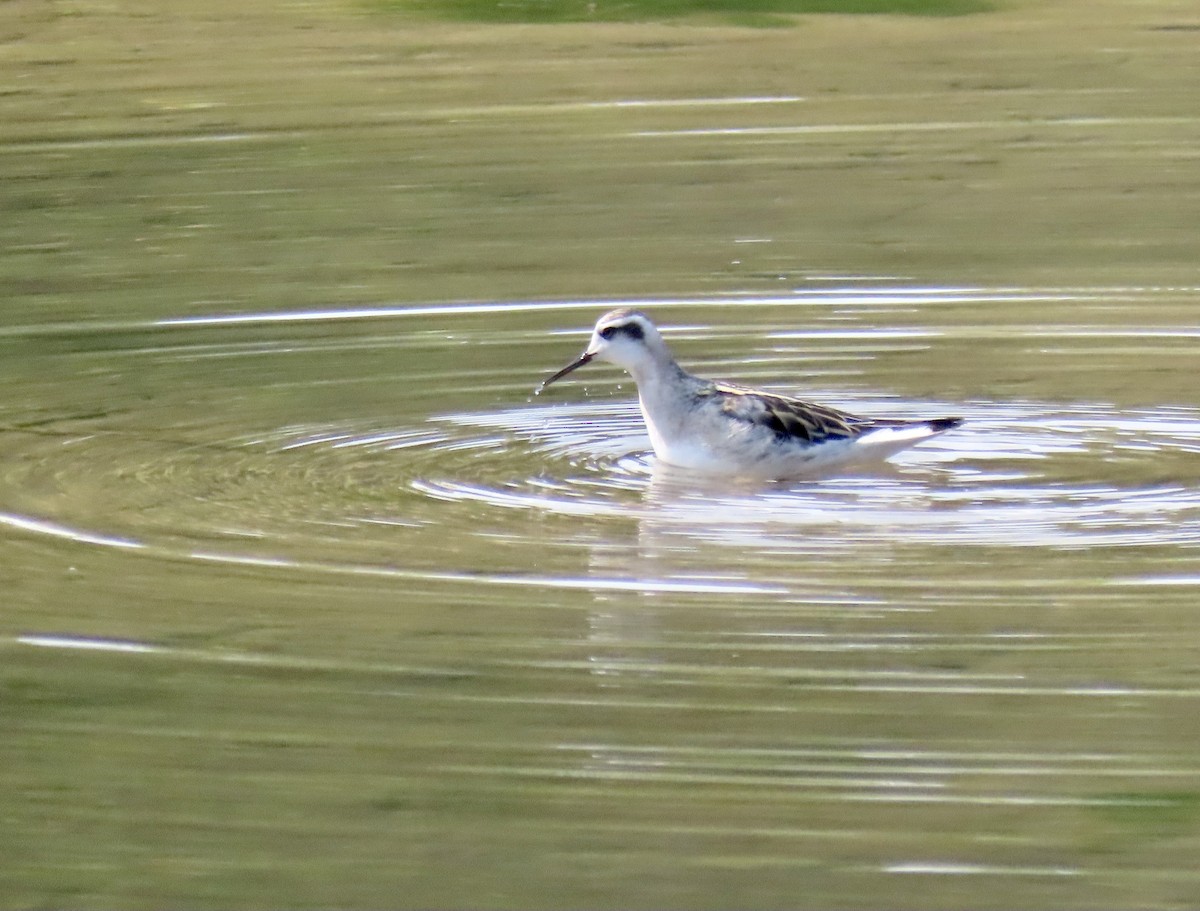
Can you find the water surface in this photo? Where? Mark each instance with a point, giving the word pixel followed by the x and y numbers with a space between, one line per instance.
pixel 309 601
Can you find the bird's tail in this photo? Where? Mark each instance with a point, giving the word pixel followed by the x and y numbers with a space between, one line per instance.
pixel 939 424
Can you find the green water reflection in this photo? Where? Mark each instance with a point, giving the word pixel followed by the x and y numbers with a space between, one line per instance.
pixel 307 602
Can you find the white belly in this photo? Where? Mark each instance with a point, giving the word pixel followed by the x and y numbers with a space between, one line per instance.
pixel 765 456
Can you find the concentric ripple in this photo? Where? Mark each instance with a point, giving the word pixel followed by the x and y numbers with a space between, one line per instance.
pixel 432 489
pixel 1008 478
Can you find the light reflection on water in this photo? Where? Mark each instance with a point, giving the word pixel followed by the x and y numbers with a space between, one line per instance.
pixel 993 576
pixel 306 601
pixel 1022 474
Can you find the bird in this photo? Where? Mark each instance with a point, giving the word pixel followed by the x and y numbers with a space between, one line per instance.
pixel 721 428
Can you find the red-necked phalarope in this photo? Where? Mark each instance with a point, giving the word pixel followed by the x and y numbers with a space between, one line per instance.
pixel 726 429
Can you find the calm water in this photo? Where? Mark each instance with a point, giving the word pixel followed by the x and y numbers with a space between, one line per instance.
pixel 311 602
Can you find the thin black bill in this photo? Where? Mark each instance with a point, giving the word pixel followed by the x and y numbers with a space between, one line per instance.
pixel 574 365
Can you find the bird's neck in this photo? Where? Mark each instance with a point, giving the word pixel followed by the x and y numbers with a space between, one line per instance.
pixel 658 374
pixel 663 390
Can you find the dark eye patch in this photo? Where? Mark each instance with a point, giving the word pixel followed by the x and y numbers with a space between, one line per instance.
pixel 633 330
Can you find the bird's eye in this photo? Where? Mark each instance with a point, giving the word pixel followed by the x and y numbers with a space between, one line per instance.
pixel 608 332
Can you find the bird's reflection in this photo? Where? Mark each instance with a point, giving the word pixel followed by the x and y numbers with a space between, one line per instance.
pixel 682 549
pixel 699 540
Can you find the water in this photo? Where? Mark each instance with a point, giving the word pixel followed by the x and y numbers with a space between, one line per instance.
pixel 310 601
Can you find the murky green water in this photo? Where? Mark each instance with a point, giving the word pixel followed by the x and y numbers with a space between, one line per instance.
pixel 309 602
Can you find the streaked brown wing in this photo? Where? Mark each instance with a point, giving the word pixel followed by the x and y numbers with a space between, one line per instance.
pixel 791 418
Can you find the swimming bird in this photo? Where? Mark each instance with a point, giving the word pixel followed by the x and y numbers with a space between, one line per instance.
pixel 721 428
